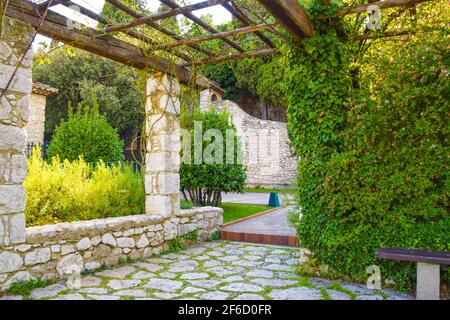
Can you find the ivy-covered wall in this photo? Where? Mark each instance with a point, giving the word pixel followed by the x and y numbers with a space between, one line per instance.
pixel 373 144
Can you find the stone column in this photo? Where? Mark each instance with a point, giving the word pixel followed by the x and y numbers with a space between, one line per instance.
pixel 14 110
pixel 162 179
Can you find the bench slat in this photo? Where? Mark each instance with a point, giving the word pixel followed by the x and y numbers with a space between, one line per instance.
pixel 414 255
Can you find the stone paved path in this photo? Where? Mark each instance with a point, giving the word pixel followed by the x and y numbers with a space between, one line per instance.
pixel 273 223
pixel 214 270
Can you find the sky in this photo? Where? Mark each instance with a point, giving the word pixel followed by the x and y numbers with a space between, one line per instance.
pixel 219 14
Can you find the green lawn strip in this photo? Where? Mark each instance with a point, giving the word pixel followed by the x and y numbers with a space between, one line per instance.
pixel 266 190
pixel 235 211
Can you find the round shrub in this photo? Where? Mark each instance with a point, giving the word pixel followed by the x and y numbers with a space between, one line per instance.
pixel 88 136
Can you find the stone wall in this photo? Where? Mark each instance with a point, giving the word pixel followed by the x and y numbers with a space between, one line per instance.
pixel 268 157
pixel 36 124
pixel 14 112
pixel 56 251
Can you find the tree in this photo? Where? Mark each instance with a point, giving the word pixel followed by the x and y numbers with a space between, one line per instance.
pixel 204 183
pixel 87 79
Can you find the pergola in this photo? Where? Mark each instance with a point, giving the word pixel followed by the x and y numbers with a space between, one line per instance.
pixel 131 42
pixel 145 51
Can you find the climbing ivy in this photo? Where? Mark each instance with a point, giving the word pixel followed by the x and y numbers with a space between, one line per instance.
pixel 373 145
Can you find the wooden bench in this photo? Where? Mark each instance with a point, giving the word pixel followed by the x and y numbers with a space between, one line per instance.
pixel 428 268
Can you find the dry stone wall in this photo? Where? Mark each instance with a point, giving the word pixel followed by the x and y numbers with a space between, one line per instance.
pixel 267 154
pixel 57 251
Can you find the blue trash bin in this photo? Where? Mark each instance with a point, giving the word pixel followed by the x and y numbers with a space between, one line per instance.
pixel 274 200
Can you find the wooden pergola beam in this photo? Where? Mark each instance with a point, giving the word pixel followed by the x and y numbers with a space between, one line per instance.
pixel 246 21
pixel 208 37
pixel 166 14
pixel 381 4
pixel 55 26
pixel 237 56
pixel 119 5
pixel 291 15
pixel 200 22
pixel 136 35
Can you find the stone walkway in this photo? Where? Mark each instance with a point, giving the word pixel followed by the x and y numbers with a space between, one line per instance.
pixel 211 271
pixel 273 223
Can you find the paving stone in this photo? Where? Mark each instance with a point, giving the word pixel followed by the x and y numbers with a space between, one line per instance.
pixel 249 297
pixel 158 261
pixel 251 257
pixel 337 295
pixel 166 296
pixel 168 275
pixel 301 293
pixel 174 256
pixel 47 292
pixel 233 279
pixel 131 293
pixel 11 298
pixel 90 282
pixel 321 283
pixel 215 253
pixel 367 297
pixel 148 266
pixel 287 275
pixel 70 297
pixel 356 288
pixel 194 276
pixel 242 287
pixel 192 290
pixel 123 284
pixel 225 271
pixel 183 266
pixel 214 296
pixel 228 258
pixel 118 273
pixel 194 250
pixel 212 263
pixel 274 283
pixel 250 264
pixel 164 285
pixel 143 275
pixel 202 258
pixel 207 284
pixel 100 291
pixel 278 267
pixel 259 273
pixel 103 297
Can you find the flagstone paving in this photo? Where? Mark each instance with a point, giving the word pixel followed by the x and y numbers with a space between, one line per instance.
pixel 211 271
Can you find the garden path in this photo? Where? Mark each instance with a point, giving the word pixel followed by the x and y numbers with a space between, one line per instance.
pixel 214 270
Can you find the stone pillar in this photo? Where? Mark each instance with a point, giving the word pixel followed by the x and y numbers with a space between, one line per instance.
pixel 14 110
pixel 162 179
pixel 428 281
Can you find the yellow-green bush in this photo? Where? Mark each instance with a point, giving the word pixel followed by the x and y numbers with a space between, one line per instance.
pixel 64 191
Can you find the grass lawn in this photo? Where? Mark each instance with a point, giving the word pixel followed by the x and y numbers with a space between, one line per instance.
pixel 264 190
pixel 235 211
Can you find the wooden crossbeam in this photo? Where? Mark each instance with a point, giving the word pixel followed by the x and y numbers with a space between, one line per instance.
pixel 200 22
pixel 136 35
pixel 119 5
pixel 208 37
pixel 291 15
pixel 166 14
pixel 381 4
pixel 237 56
pixel 55 26
pixel 246 21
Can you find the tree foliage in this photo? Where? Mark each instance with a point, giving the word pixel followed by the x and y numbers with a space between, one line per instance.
pixel 86 79
pixel 204 183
